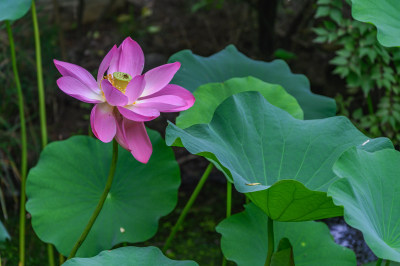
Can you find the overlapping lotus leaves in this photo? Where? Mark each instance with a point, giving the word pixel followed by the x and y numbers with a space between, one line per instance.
pixel 384 14
pixel 64 189
pixel 245 241
pixel 229 63
pixel 13 9
pixel 284 164
pixel 210 95
pixel 138 256
pixel 370 193
pixel 3 233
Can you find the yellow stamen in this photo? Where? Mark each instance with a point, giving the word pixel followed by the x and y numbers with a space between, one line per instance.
pixel 121 80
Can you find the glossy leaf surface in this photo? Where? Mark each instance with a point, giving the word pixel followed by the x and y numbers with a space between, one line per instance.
pixel 384 14
pixel 230 63
pixel 138 256
pixel 285 164
pixel 13 9
pixel 210 95
pixel 65 186
pixel 245 241
pixel 370 193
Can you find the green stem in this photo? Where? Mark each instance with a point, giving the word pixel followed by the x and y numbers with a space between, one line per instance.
pixel 271 241
pixel 379 262
pixel 188 205
pixel 50 254
pixel 387 263
pixel 228 207
pixel 101 201
pixel 228 198
pixel 42 109
pixel 24 162
pixel 61 259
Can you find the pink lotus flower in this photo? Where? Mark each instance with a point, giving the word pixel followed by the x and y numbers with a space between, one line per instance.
pixel 124 99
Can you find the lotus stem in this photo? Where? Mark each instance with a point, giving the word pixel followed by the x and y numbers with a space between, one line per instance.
pixel 101 201
pixel 42 109
pixel 50 254
pixel 24 149
pixel 187 207
pixel 271 241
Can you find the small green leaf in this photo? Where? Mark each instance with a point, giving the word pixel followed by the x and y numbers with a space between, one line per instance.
pixel 322 11
pixel 137 256
pixel 13 9
pixel 338 60
pixel 63 190
pixel 3 233
pixel 245 241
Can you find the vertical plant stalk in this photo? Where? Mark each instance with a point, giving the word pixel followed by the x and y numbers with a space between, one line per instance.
pixel 228 207
pixel 271 241
pixel 188 205
pixel 42 108
pixel 99 206
pixel 387 263
pixel 24 162
pixel 50 254
pixel 379 262
pixel 61 258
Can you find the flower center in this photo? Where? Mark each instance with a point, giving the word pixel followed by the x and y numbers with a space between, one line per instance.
pixel 119 80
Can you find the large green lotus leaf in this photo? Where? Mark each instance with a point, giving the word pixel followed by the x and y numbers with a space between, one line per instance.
pixel 370 194
pixel 384 14
pixel 126 256
pixel 65 186
pixel 230 63
pixel 210 95
pixel 13 9
pixel 284 164
pixel 3 233
pixel 245 241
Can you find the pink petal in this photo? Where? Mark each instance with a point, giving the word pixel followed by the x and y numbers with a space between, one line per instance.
pixel 81 74
pixel 105 64
pixel 75 88
pixel 119 137
pixel 113 96
pixel 103 122
pixel 131 60
pixel 128 58
pixel 135 88
pixel 137 140
pixel 139 114
pixel 114 64
pixel 162 103
pixel 172 89
pixel 159 77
